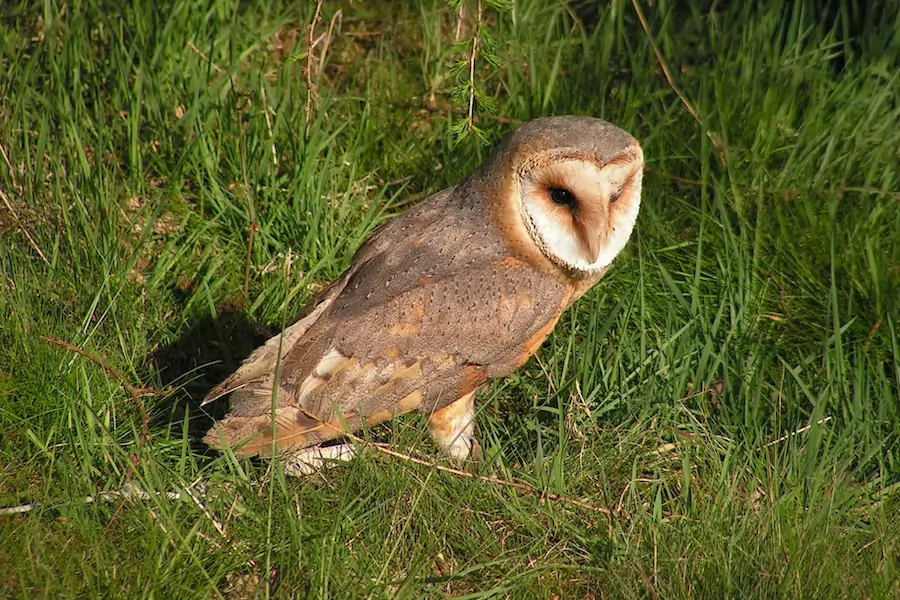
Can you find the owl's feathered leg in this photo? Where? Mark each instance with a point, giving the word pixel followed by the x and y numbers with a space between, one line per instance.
pixel 312 460
pixel 453 428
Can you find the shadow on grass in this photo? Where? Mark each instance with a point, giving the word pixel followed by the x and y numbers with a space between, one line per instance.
pixel 208 351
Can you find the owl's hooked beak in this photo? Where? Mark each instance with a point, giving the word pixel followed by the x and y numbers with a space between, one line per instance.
pixel 589 224
pixel 591 242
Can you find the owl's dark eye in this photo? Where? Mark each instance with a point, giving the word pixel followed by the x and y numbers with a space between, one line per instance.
pixel 562 197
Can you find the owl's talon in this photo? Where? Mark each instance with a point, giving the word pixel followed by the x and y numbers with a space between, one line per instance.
pixel 476 455
pixel 313 460
pixel 453 428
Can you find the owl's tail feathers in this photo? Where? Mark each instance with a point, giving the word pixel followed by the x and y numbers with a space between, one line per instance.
pixel 261 362
pixel 294 429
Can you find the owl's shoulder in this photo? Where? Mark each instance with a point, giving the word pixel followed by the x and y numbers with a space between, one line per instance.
pixel 446 235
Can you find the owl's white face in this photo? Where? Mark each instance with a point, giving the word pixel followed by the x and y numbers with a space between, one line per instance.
pixel 578 213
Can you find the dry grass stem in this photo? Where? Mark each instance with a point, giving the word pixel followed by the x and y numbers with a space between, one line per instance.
pixel 793 433
pixel 662 62
pixel 521 486
pixel 713 138
pixel 310 86
pixel 137 392
pixel 15 216
pixel 194 48
pixel 473 56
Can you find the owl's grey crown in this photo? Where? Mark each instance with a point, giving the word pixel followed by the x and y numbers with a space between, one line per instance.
pixel 591 136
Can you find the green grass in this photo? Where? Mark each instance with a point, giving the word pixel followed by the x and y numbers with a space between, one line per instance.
pixel 731 390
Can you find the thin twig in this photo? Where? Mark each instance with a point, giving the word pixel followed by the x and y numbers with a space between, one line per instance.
pixel 662 61
pixel 17 510
pixel 785 195
pixel 487 479
pixel 204 57
pixel 713 138
pixel 794 433
pixel 460 473
pixel 251 211
pixel 522 486
pixel 338 18
pixel 872 190
pixel 472 58
pixel 871 335
pixel 576 22
pixel 266 110
pixel 219 527
pixel 6 158
pixel 134 491
pixel 310 86
pixel 19 222
pixel 128 492
pixel 460 18
pixel 251 231
pixel 136 392
pixel 674 177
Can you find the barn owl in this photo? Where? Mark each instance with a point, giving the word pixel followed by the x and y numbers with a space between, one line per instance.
pixel 460 289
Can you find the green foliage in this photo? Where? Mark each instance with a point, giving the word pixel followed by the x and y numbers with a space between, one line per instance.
pixel 466 67
pixel 730 391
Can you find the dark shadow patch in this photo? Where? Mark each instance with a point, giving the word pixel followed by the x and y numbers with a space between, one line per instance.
pixel 209 350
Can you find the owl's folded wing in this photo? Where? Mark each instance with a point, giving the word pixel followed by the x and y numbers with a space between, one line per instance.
pixel 432 306
pixel 422 348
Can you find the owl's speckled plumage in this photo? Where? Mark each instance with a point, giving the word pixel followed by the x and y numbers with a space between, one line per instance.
pixel 462 288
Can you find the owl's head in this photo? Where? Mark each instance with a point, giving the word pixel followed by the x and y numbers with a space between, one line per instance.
pixel 576 186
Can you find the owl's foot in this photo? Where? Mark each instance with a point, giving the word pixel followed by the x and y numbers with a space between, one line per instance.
pixel 453 428
pixel 312 460
pixel 475 452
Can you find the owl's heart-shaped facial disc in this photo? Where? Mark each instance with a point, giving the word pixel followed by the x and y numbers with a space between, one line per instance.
pixel 581 213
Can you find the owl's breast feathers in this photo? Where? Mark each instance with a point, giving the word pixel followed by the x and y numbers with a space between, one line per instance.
pixel 433 305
